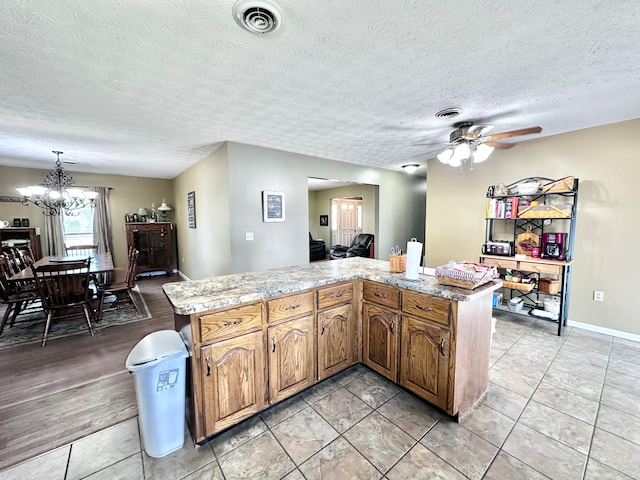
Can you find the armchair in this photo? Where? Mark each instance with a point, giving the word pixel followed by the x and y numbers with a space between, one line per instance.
pixel 360 247
pixel 317 249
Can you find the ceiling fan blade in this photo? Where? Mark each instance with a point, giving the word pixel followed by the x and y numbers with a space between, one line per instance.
pixel 476 131
pixel 501 145
pixel 514 133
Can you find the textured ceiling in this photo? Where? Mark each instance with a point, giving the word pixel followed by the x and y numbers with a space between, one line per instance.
pixel 148 87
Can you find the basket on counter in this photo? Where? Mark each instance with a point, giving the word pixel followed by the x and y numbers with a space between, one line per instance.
pixel 562 185
pixel 397 263
pixel 548 212
pixel 525 287
pixel 549 285
pixel 466 275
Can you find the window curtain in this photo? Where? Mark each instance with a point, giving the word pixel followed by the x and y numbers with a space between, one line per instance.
pixel 102 221
pixel 53 235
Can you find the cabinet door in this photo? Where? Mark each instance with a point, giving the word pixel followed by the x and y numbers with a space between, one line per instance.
pixel 158 248
pixel 424 360
pixel 335 329
pixel 380 340
pixel 233 381
pixel 292 365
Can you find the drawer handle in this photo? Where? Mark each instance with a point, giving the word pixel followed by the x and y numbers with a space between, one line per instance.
pixel 208 367
pixel 393 323
pixel 381 295
pixel 424 309
pixel 442 347
pixel 227 324
pixel 293 307
pixel 336 295
pixel 322 323
pixel 273 339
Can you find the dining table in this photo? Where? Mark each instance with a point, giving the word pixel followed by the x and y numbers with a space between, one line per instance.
pixel 100 263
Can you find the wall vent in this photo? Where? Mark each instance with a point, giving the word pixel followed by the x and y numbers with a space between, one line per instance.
pixel 257 16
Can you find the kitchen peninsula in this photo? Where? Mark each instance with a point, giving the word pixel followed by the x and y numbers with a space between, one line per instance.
pixel 257 338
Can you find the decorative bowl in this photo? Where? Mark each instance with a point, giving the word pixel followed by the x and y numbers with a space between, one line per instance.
pixel 527 188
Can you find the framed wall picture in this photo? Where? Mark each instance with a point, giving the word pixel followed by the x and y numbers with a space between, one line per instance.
pixel 272 206
pixel 324 220
pixel 191 209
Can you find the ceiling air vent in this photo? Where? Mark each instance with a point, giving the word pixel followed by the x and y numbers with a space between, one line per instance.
pixel 448 113
pixel 257 16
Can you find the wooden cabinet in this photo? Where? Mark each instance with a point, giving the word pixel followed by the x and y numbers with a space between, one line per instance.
pixel 335 332
pixel 154 241
pixel 292 365
pixel 233 381
pixel 18 236
pixel 424 359
pixel 380 340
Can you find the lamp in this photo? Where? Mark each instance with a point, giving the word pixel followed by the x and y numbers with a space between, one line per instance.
pixel 142 214
pixel 411 168
pixel 465 151
pixel 163 209
pixel 56 196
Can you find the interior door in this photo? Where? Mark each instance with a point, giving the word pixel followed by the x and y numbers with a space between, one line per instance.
pixel 349 224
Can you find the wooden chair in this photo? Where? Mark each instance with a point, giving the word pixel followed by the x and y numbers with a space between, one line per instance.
pixel 14 299
pixel 63 288
pixel 81 250
pixel 121 287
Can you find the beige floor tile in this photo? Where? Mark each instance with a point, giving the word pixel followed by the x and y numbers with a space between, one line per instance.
pixel 294 475
pixel 586 345
pixel 513 364
pixel 350 374
pixel 261 457
pixel 534 351
pixel 420 462
pixel 179 463
pixel 623 382
pixel 342 409
pixel 51 465
pixel 127 469
pixel 496 354
pixel 379 440
pixel 506 467
pixel 617 453
pixel 619 423
pixel 544 454
pixel 320 390
pixel 515 382
pixel 625 401
pixel 505 401
pixel 237 435
pixel 411 414
pixel 625 367
pixel 283 410
pixel 304 434
pixel 102 449
pixel 626 352
pixel 339 460
pixel 571 353
pixel 572 383
pixel 580 369
pixel 461 448
pixel 373 389
pixel 489 424
pixel 598 471
pixel 575 405
pixel 561 427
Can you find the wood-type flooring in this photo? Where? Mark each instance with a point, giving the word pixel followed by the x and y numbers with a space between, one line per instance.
pixel 74 386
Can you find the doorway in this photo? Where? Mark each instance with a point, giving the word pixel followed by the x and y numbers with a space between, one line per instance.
pixel 346 220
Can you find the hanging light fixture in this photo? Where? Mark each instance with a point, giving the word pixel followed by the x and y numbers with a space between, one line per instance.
pixel 56 195
pixel 411 168
pixel 163 209
pixel 465 151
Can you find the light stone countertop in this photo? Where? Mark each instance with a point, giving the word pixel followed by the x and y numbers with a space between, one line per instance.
pixel 215 292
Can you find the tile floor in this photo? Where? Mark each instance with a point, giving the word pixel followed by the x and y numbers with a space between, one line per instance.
pixel 557 407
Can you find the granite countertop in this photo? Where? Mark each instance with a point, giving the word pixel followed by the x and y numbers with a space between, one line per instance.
pixel 215 292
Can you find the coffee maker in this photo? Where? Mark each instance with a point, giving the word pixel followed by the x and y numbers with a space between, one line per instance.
pixel 554 246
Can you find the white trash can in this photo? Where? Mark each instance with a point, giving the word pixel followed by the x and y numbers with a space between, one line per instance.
pixel 158 365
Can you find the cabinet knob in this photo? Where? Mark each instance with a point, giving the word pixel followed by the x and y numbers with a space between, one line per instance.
pixel 442 347
pixel 293 307
pixel 393 324
pixel 322 324
pixel 273 339
pixel 227 324
pixel 336 295
pixel 381 295
pixel 208 367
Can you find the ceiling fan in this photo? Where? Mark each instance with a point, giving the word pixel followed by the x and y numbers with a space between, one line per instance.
pixel 469 142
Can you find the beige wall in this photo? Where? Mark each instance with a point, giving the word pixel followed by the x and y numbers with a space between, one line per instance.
pixel 605 159
pixel 205 250
pixel 127 195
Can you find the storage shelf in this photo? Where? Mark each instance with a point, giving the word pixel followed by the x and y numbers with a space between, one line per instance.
pixel 525 287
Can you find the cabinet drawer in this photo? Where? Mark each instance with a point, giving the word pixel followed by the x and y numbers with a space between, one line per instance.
pixel 382 294
pixel 229 322
pixel 500 263
pixel 540 268
pixel 290 306
pixel 335 294
pixel 427 306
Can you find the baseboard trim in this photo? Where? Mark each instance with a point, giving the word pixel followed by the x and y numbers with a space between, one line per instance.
pixel 183 276
pixel 606 331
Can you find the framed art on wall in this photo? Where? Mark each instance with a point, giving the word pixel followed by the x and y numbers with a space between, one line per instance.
pixel 272 206
pixel 191 209
pixel 324 220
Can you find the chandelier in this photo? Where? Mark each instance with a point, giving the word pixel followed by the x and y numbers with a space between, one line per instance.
pixel 56 195
pixel 466 151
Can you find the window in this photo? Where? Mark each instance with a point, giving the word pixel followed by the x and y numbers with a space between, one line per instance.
pixel 78 229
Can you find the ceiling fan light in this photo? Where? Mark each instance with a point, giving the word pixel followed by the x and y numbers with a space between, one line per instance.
pixel 455 161
pixel 445 156
pixel 482 153
pixel 460 153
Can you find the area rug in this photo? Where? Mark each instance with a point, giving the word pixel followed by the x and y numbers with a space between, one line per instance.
pixel 29 325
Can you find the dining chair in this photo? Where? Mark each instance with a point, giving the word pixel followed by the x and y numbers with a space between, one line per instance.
pixel 121 288
pixel 64 287
pixel 14 299
pixel 81 250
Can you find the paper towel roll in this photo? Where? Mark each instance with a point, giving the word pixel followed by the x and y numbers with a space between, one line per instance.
pixel 414 252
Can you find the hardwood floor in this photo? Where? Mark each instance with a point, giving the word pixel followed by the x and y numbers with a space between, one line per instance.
pixel 75 385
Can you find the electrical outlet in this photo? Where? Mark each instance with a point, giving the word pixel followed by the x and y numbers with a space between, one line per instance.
pixel 182 260
pixel 598 296
pixel 249 236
